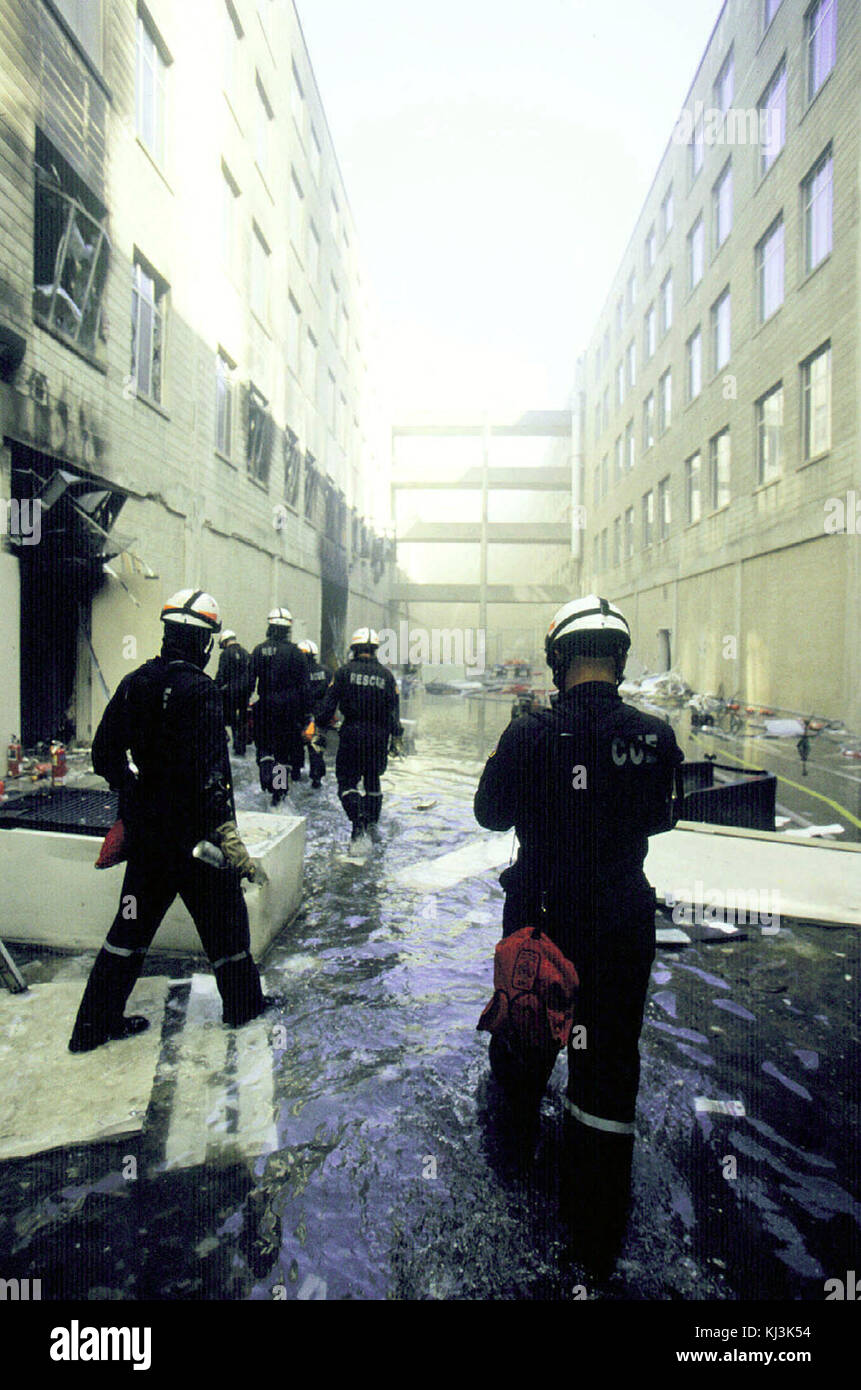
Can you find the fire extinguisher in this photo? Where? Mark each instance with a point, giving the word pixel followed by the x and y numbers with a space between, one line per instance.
pixel 58 764
pixel 13 757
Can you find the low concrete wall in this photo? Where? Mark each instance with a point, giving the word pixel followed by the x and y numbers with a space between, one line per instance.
pixel 51 895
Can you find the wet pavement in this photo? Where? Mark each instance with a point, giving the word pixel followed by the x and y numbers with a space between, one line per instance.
pixel 390 1172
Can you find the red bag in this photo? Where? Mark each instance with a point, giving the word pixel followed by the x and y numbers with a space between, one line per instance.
pixel 113 849
pixel 535 988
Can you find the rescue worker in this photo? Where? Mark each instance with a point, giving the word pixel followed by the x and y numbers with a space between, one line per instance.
pixel 168 715
pixel 234 681
pixel 280 672
pixel 318 677
pixel 584 784
pixel 367 695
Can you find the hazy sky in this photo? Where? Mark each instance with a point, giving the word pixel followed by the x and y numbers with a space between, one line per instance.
pixel 495 157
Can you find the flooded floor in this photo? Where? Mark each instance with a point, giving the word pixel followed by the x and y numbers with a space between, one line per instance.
pixel 347 1145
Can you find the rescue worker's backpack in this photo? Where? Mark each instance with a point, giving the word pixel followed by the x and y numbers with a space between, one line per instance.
pixel 532 1010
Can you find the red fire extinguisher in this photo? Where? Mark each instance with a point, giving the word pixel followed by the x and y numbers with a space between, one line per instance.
pixel 58 764
pixel 13 757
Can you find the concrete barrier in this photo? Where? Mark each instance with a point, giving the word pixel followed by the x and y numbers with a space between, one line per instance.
pixel 51 895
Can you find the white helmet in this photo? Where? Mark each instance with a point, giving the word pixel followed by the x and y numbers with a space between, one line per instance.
pixel 591 627
pixel 280 617
pixel 192 608
pixel 309 647
pixel 226 636
pixel 364 637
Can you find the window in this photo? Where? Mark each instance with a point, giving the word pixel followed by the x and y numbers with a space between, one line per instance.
pixel 596 554
pixel 263 119
pixel 333 305
pixel 631 358
pixel 232 56
pixel 769 434
pixel 667 213
pixel 769 270
pixel 648 515
pixel 629 532
pixel 666 301
pixel 696 148
pixel 618 460
pixel 334 217
pixel 694 349
pixel 617 542
pixel 724 87
pixel 84 18
pixel 259 434
pixel 816 402
pixel 821 34
pixel 606 347
pixel 149 300
pixel 596 485
pixel 770 8
pixel 597 421
pixel 665 401
pixel 651 248
pixel 696 253
pixel 229 194
pixel 294 334
pixel 719 466
pixel 630 459
pixel 663 508
pixel 259 275
pixel 223 404
pixel 332 406
pixel 620 305
pixel 632 290
pixel 605 476
pixel 315 156
pixel 721 330
pixel 817 201
pixel 70 250
pixel 650 333
pixel 722 205
pixel 152 59
pixel 606 407
pixel 343 330
pixel 620 383
pixel 297 215
pixel 297 101
pixel 693 505
pixel 313 254
pixel 604 548
pixel 649 421
pixel 309 364
pixel 772 119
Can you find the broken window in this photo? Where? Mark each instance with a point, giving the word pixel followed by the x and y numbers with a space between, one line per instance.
pixel 292 467
pixel 259 430
pixel 223 404
pixel 312 479
pixel 70 250
pixel 149 303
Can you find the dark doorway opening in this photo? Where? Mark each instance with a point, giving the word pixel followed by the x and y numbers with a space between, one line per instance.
pixel 59 576
pixel 333 624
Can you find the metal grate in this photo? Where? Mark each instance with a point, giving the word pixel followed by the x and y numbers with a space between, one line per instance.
pixel 71 810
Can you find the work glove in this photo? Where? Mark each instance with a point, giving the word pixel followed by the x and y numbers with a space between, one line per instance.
pixel 396 746
pixel 237 856
pixel 309 731
pixel 318 743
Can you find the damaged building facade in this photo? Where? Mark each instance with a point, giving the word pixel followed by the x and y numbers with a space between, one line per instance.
pixel 719 393
pixel 186 390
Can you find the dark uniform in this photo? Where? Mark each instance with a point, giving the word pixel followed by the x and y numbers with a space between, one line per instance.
pixel 366 692
pixel 584 784
pixel 280 672
pixel 168 714
pixel 234 681
pixel 318 678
